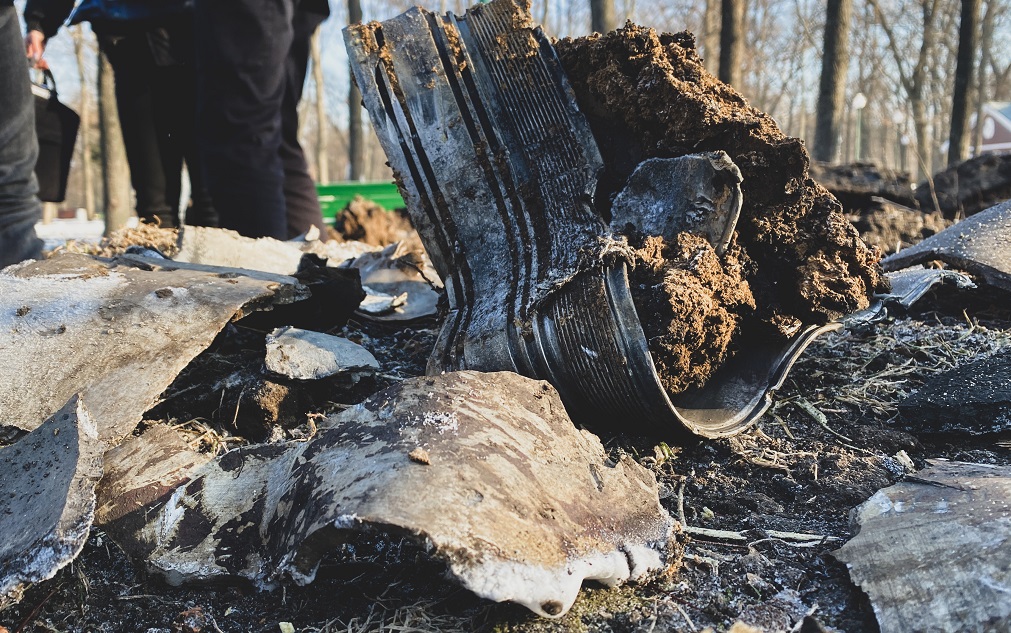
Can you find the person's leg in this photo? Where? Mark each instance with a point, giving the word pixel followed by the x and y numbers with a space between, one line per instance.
pixel 302 201
pixel 133 67
pixel 241 50
pixel 20 208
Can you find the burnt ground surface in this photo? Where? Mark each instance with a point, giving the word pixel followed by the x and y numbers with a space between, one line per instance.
pixel 795 471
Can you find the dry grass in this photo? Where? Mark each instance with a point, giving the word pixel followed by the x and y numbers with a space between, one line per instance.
pixel 165 241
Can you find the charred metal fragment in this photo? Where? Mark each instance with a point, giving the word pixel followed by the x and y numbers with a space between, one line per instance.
pixel 484 470
pixel 498 168
pixel 47 503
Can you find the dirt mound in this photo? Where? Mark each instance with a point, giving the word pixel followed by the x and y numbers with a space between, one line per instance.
pixel 648 95
pixel 856 185
pixel 968 187
pixel 891 227
pixel 366 221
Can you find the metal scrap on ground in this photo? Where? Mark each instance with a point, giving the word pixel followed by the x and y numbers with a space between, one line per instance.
pixel 520 504
pixel 980 245
pixel 114 332
pixel 48 500
pixel 934 554
pixel 535 282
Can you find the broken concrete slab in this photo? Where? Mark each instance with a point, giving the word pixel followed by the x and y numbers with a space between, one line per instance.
pixel 306 355
pixel 933 554
pixel 974 399
pixel 520 504
pixel 47 503
pixel 980 245
pixel 115 333
pixel 697 193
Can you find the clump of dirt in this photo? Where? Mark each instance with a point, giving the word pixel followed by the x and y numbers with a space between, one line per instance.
pixel 365 221
pixel 648 95
pixel 694 300
pixel 891 227
pixel 967 188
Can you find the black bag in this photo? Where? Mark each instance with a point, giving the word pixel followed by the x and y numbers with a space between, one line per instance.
pixel 56 127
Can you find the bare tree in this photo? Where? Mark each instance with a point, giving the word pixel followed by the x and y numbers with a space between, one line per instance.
pixel 711 35
pixel 958 140
pixel 985 40
pixel 832 87
pixel 602 16
pixel 87 173
pixel 115 170
pixel 731 30
pixel 914 80
pixel 322 163
pixel 356 141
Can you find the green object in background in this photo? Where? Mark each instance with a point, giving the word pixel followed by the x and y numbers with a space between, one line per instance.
pixel 335 196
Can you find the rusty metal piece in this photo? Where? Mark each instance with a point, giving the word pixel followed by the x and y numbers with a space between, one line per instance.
pixel 116 332
pixel 980 245
pixel 498 168
pixel 520 504
pixel 48 498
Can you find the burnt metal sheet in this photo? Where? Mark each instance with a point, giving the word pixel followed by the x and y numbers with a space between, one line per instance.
pixel 698 193
pixel 498 168
pixel 485 470
pixel 934 554
pixel 980 244
pixel 912 284
pixel 48 498
pixel 117 333
pixel 401 282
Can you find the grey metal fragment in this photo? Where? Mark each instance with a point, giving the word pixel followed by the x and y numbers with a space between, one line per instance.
pixel 401 283
pixel 698 194
pixel 306 355
pixel 980 244
pixel 912 284
pixel 115 333
pixel 48 498
pixel 935 554
pixel 520 504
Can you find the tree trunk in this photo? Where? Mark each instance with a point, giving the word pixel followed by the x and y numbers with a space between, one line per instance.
pixel 985 39
pixel 958 140
pixel 322 123
pixel 87 171
pixel 832 87
pixel 115 170
pixel 711 36
pixel 602 16
pixel 356 139
pixel 731 26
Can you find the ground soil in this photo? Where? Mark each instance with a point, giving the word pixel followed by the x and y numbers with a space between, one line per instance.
pixel 648 95
pixel 891 227
pixel 791 472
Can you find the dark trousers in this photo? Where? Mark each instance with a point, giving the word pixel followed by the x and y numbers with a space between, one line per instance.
pixel 156 98
pixel 19 206
pixel 251 63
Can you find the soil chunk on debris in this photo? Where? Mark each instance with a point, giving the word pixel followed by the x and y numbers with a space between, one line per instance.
pixel 648 95
pixel 366 221
pixel 706 296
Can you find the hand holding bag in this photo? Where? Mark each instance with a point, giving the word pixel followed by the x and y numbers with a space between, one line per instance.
pixel 56 127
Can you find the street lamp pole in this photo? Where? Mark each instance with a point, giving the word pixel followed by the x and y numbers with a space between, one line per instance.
pixel 859 103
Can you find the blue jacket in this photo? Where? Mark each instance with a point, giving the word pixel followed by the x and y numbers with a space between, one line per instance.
pixel 48 15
